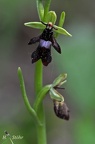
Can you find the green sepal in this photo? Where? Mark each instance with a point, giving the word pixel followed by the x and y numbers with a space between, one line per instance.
pixel 61 30
pixel 55 95
pixel 60 80
pixel 37 25
pixel 51 17
pixel 61 21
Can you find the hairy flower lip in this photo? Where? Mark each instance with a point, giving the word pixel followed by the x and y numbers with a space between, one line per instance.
pixel 61 110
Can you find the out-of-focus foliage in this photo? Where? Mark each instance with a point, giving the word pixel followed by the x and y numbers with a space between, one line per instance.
pixel 77 60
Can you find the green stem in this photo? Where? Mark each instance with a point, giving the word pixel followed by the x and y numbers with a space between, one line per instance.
pixel 38 77
pixel 41 129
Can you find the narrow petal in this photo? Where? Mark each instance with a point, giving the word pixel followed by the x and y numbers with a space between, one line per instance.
pixel 56 45
pixel 34 40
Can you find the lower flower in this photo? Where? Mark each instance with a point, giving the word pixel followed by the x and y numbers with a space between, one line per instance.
pixel 61 110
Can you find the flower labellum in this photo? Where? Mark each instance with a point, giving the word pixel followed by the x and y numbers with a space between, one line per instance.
pixel 61 110
pixel 46 40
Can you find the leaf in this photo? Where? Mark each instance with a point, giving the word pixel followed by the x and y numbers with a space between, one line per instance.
pixel 25 98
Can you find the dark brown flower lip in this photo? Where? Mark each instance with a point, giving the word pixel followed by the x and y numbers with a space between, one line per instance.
pixel 61 110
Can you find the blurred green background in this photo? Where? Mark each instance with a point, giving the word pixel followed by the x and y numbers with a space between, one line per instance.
pixel 77 60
